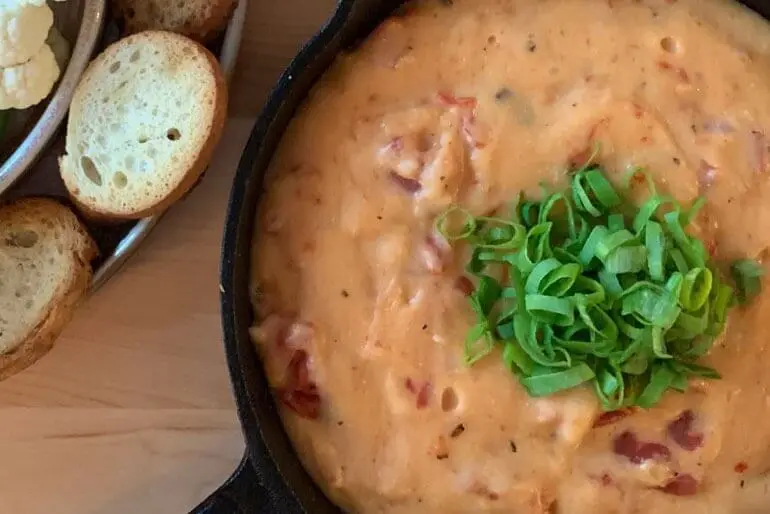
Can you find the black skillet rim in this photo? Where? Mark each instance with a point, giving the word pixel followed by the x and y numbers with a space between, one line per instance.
pixel 268 447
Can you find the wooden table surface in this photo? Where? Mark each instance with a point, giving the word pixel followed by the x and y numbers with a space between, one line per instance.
pixel 132 411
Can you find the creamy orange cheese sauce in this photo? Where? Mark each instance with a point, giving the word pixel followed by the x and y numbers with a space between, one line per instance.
pixel 361 306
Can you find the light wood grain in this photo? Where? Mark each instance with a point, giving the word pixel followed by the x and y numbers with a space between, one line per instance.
pixel 276 30
pixel 132 410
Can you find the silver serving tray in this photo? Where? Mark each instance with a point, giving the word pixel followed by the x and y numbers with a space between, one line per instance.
pixel 117 242
pixel 80 22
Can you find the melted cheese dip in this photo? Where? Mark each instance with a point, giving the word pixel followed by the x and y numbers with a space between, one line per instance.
pixel 362 309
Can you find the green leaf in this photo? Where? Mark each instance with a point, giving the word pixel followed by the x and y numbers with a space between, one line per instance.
pixel 548 382
pixel 581 298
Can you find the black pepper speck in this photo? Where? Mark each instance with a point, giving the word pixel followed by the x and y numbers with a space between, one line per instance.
pixel 458 431
pixel 503 94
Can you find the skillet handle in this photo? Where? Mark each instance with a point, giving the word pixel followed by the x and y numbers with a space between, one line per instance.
pixel 240 494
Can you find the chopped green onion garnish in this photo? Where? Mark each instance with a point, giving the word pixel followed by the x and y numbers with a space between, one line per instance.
pixel 596 290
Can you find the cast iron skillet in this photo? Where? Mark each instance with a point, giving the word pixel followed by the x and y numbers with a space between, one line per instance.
pixel 270 478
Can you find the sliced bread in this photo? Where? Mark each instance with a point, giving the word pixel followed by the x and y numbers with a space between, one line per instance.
pixel 45 270
pixel 201 20
pixel 143 124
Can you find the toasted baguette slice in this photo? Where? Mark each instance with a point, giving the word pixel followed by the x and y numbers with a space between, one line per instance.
pixel 201 20
pixel 143 124
pixel 45 255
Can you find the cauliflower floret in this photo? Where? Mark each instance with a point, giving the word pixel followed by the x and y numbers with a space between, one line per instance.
pixel 24 26
pixel 27 84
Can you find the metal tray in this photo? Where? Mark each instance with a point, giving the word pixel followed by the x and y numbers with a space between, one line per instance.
pixel 117 242
pixel 80 22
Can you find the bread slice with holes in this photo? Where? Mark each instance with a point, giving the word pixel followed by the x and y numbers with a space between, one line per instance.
pixel 45 270
pixel 143 124
pixel 201 20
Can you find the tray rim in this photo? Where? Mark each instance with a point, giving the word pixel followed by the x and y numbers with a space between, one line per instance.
pixel 47 125
pixel 130 243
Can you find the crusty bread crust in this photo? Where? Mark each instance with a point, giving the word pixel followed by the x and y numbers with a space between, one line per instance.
pixel 197 163
pixel 62 307
pixel 201 20
pixel 42 339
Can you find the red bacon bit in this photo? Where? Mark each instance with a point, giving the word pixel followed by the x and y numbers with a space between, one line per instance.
pixel 409 185
pixel 638 111
pixel 741 467
pixel 608 418
pixel 627 445
pixel 300 393
pixel 307 403
pixel 464 285
pixel 423 396
pixel 422 391
pixel 681 431
pixel 472 132
pixel 681 485
pixel 652 451
pixel 663 65
pixel 449 100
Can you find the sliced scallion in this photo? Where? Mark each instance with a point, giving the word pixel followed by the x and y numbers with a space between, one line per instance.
pixel 596 290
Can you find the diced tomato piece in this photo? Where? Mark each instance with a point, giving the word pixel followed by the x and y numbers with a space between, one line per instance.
pixel 681 430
